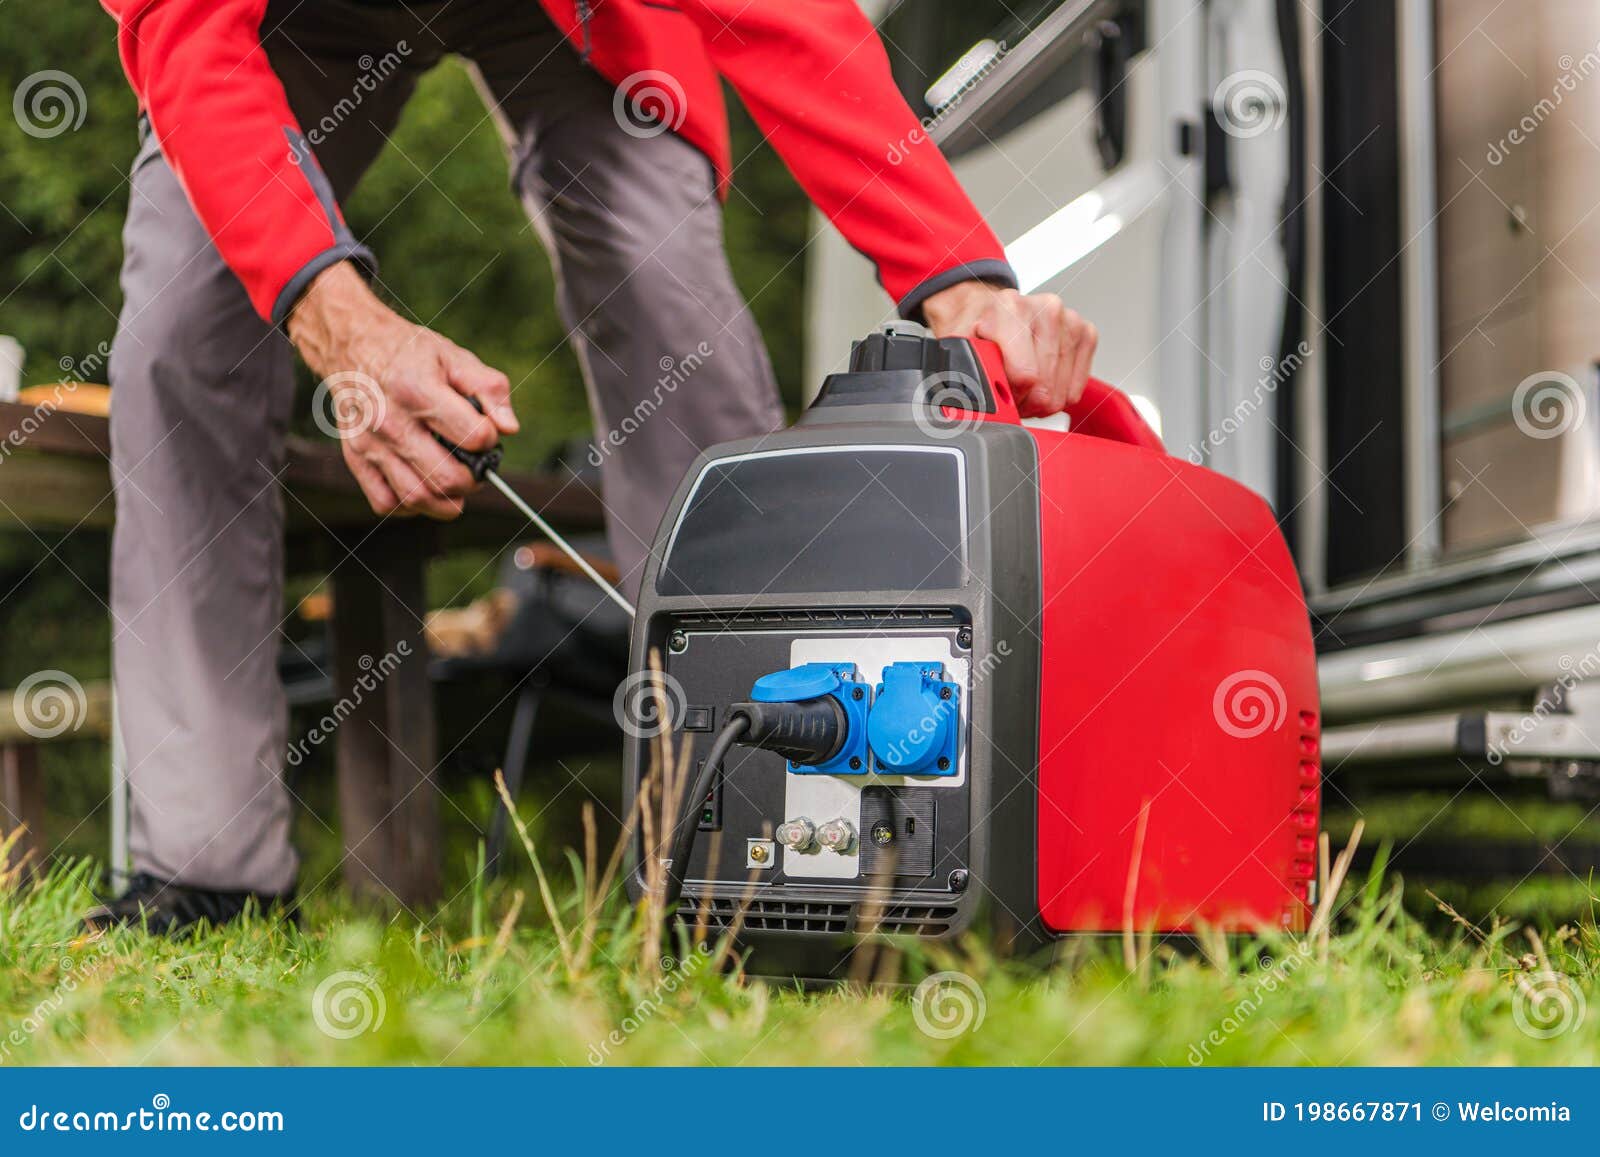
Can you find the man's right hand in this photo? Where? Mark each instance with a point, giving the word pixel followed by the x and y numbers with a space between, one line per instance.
pixel 409 383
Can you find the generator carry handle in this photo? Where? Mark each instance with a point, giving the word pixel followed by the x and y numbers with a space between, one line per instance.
pixel 1102 412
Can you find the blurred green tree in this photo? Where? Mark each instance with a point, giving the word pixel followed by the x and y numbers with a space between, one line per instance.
pixel 456 250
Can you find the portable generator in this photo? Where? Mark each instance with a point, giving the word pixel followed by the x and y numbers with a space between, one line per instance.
pixel 939 670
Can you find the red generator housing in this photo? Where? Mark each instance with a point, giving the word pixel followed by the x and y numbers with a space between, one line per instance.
pixel 1181 671
pixel 1119 637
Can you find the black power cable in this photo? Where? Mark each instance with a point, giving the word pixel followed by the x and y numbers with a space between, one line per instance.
pixel 689 817
pixel 806 731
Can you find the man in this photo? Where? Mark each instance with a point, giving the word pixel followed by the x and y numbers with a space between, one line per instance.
pixel 259 116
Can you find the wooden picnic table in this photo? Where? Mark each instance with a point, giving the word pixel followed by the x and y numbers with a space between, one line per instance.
pixel 54 476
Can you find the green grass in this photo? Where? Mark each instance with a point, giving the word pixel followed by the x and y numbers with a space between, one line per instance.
pixel 484 981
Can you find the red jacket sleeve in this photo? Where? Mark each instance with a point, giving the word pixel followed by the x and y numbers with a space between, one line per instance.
pixel 225 126
pixel 815 77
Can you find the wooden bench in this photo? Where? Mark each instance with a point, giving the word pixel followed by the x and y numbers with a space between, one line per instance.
pixel 54 475
pixel 21 789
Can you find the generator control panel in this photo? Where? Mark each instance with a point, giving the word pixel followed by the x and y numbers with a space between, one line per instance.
pixel 891 801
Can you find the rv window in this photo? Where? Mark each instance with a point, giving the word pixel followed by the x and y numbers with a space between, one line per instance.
pixel 927 38
pixel 939 48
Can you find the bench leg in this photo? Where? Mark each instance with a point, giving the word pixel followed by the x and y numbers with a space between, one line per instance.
pixel 388 797
pixel 22 799
pixel 514 766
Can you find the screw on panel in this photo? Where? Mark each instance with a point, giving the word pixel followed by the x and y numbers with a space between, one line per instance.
pixel 964 638
pixel 944 692
pixel 944 764
pixel 678 642
pixel 958 880
pixel 857 693
pixel 855 763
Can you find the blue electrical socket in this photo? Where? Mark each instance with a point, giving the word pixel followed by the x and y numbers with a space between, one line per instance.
pixel 915 724
pixel 810 680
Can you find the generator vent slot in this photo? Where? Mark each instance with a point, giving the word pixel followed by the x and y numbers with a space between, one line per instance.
pixel 821 617
pixel 917 919
pixel 720 913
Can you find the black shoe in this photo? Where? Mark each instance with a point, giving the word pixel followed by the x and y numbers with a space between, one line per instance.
pixel 167 909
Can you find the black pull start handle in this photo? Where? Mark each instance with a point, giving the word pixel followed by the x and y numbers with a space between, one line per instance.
pixel 480 462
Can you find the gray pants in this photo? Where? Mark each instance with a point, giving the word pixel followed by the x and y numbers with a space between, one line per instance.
pixel 203 393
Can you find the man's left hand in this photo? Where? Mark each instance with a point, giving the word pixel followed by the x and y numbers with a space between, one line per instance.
pixel 1046 347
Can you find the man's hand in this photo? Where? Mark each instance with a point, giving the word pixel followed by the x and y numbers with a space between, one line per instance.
pixel 395 384
pixel 1045 346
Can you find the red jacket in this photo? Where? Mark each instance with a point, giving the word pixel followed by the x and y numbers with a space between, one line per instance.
pixel 812 73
